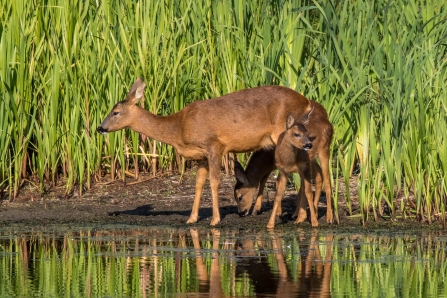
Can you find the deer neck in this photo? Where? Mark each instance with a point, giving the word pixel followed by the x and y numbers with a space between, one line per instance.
pixel 161 128
pixel 285 155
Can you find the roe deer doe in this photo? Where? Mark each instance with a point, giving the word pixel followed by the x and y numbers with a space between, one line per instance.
pixel 262 162
pixel 241 121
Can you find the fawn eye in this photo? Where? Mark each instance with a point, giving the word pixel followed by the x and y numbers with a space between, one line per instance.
pixel 115 113
pixel 240 198
pixel 297 135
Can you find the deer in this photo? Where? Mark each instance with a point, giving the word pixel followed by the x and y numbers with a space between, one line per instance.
pixel 205 130
pixel 319 131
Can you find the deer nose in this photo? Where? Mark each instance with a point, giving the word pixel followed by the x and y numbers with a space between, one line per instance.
pixel 307 146
pixel 243 213
pixel 101 130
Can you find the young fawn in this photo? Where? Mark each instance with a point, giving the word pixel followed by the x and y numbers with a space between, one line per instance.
pixel 262 162
pixel 242 121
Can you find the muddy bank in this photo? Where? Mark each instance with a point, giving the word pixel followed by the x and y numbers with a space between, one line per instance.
pixel 161 201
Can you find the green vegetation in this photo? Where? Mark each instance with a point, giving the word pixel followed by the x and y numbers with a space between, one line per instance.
pixel 378 67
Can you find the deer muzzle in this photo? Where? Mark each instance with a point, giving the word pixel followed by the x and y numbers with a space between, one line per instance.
pixel 102 130
pixel 243 213
pixel 307 146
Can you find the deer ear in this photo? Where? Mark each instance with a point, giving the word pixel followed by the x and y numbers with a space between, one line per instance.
pixel 305 118
pixel 240 173
pixel 290 121
pixel 139 93
pixel 136 92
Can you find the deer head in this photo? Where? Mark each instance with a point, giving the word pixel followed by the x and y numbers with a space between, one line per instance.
pixel 244 192
pixel 296 132
pixel 122 114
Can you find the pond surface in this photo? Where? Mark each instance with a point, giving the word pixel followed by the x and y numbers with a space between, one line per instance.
pixel 188 262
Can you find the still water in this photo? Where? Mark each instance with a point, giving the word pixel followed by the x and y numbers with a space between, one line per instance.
pixel 188 262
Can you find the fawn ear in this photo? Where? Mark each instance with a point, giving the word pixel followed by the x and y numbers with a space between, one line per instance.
pixel 290 121
pixel 305 118
pixel 240 173
pixel 136 92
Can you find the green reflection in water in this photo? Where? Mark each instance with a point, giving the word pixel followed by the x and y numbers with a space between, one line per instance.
pixel 163 262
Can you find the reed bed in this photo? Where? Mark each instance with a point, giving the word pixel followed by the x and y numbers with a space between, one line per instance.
pixel 378 67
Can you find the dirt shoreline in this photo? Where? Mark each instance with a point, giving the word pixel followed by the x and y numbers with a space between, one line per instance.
pixel 162 201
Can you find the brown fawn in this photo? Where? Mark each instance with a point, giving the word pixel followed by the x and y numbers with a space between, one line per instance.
pixel 242 121
pixel 262 162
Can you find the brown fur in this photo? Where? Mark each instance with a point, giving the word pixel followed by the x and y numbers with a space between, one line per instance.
pixel 319 131
pixel 241 121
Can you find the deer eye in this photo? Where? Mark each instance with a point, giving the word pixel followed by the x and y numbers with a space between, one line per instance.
pixel 115 113
pixel 297 135
pixel 240 198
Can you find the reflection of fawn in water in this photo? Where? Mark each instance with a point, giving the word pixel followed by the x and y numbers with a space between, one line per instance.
pixel 314 274
pixel 314 279
pixel 214 282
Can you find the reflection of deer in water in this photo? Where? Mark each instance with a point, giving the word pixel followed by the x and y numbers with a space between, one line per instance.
pixel 214 282
pixel 255 264
pixel 313 279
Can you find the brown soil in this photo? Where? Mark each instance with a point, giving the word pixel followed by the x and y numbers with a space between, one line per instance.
pixel 162 200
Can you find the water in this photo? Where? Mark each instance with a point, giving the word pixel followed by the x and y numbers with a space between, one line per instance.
pixel 187 262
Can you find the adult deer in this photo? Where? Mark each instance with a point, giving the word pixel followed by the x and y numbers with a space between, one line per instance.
pixel 319 131
pixel 241 121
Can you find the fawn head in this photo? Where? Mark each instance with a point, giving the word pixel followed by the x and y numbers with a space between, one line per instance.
pixel 296 132
pixel 122 114
pixel 244 192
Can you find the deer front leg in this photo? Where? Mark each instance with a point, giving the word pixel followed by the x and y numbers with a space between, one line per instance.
pixel 258 205
pixel 309 196
pixel 214 168
pixel 202 171
pixel 301 205
pixel 280 188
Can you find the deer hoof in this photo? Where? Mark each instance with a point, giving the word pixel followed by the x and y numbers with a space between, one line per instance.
pixel 191 220
pixel 215 222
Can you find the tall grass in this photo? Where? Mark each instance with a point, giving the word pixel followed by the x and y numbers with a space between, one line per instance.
pixel 378 67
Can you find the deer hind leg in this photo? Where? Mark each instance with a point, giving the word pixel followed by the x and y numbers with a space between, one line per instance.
pixel 318 176
pixel 324 158
pixel 258 205
pixel 280 188
pixel 202 172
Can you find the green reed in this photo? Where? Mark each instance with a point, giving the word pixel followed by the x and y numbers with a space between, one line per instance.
pixel 378 67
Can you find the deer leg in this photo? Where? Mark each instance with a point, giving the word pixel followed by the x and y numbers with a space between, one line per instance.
pixel 324 158
pixel 309 196
pixel 214 167
pixel 258 204
pixel 279 210
pixel 280 188
pixel 301 204
pixel 316 171
pixel 202 171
